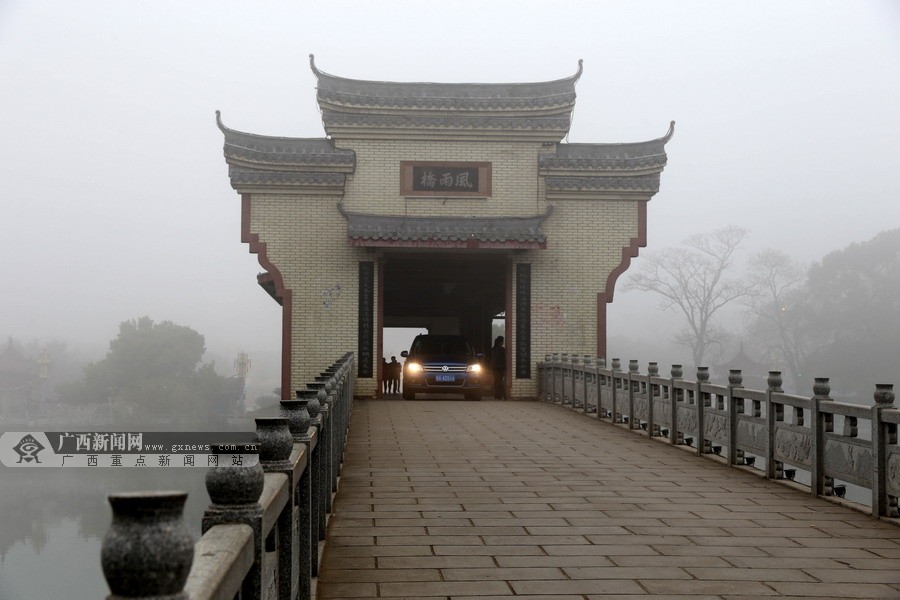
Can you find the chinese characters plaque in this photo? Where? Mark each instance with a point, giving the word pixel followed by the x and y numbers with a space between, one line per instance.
pixel 445 179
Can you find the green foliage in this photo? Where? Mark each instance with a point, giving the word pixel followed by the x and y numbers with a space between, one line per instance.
pixel 841 321
pixel 152 370
pixel 854 296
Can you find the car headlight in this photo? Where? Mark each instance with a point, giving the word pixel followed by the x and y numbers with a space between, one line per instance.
pixel 476 368
pixel 413 367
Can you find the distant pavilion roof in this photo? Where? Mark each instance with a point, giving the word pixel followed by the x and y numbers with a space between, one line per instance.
pixel 539 111
pixel 400 231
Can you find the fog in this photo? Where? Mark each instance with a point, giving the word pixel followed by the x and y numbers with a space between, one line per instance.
pixel 116 201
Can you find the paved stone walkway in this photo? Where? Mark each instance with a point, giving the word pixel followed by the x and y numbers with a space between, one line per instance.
pixel 452 499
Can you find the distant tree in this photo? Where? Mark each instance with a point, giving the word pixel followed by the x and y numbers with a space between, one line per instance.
pixel 694 279
pixel 152 369
pixel 780 315
pixel 271 400
pixel 854 300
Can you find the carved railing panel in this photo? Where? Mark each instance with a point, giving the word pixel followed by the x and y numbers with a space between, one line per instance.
pixel 715 427
pixel 793 445
pixel 849 460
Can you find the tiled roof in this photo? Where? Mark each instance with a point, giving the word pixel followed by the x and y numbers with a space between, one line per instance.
pixel 586 170
pixel 399 230
pixel 262 150
pixel 648 183
pixel 609 157
pixel 372 108
pixel 259 162
pixel 257 177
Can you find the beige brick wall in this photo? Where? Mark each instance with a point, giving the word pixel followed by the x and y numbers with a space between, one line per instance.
pixel 306 239
pixel 584 244
pixel 375 187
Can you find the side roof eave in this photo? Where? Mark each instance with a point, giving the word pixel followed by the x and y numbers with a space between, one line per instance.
pixel 276 153
pixel 605 158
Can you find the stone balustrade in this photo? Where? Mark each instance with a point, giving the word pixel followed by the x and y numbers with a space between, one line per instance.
pixel 261 532
pixel 793 437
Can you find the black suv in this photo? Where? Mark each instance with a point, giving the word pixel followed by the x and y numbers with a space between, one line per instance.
pixel 441 364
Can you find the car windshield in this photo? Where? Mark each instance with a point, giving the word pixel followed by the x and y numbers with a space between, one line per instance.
pixel 441 345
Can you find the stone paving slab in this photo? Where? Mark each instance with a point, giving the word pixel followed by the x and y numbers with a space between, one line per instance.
pixel 487 500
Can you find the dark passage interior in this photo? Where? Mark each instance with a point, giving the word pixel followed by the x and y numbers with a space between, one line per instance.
pixel 448 293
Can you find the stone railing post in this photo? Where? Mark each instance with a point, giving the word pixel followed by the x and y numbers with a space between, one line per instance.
pixel 676 374
pixel 632 381
pixel 702 377
pixel 299 423
pixel 882 435
pixel 773 387
pixel 329 409
pixel 317 532
pixel 275 447
pixel 323 487
pixel 615 416
pixel 587 379
pixel 234 495
pixel 652 371
pixel 555 375
pixel 147 551
pixel 735 381
pixel 576 371
pixel 598 383
pixel 820 424
pixel 565 371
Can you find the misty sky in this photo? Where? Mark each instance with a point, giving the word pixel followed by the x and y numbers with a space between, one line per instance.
pixel 116 201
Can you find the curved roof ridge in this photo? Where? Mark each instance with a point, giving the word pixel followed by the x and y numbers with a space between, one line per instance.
pixel 227 130
pixel 322 74
pixel 664 139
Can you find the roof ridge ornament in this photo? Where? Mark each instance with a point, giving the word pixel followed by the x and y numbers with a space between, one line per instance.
pixel 669 133
pixel 219 122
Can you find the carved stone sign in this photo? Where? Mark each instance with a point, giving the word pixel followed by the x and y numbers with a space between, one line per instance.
pixel 430 178
pixel 523 321
pixel 366 319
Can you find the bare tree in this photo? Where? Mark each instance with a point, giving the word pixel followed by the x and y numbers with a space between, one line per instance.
pixel 693 279
pixel 780 313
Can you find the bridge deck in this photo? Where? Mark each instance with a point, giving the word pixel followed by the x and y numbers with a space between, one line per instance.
pixel 451 499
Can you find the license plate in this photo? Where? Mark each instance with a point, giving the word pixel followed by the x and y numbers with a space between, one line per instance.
pixel 445 378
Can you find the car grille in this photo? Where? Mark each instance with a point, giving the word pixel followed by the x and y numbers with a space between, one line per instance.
pixel 440 369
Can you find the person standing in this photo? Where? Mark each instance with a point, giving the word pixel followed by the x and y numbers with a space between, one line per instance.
pixel 498 368
pixel 394 381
